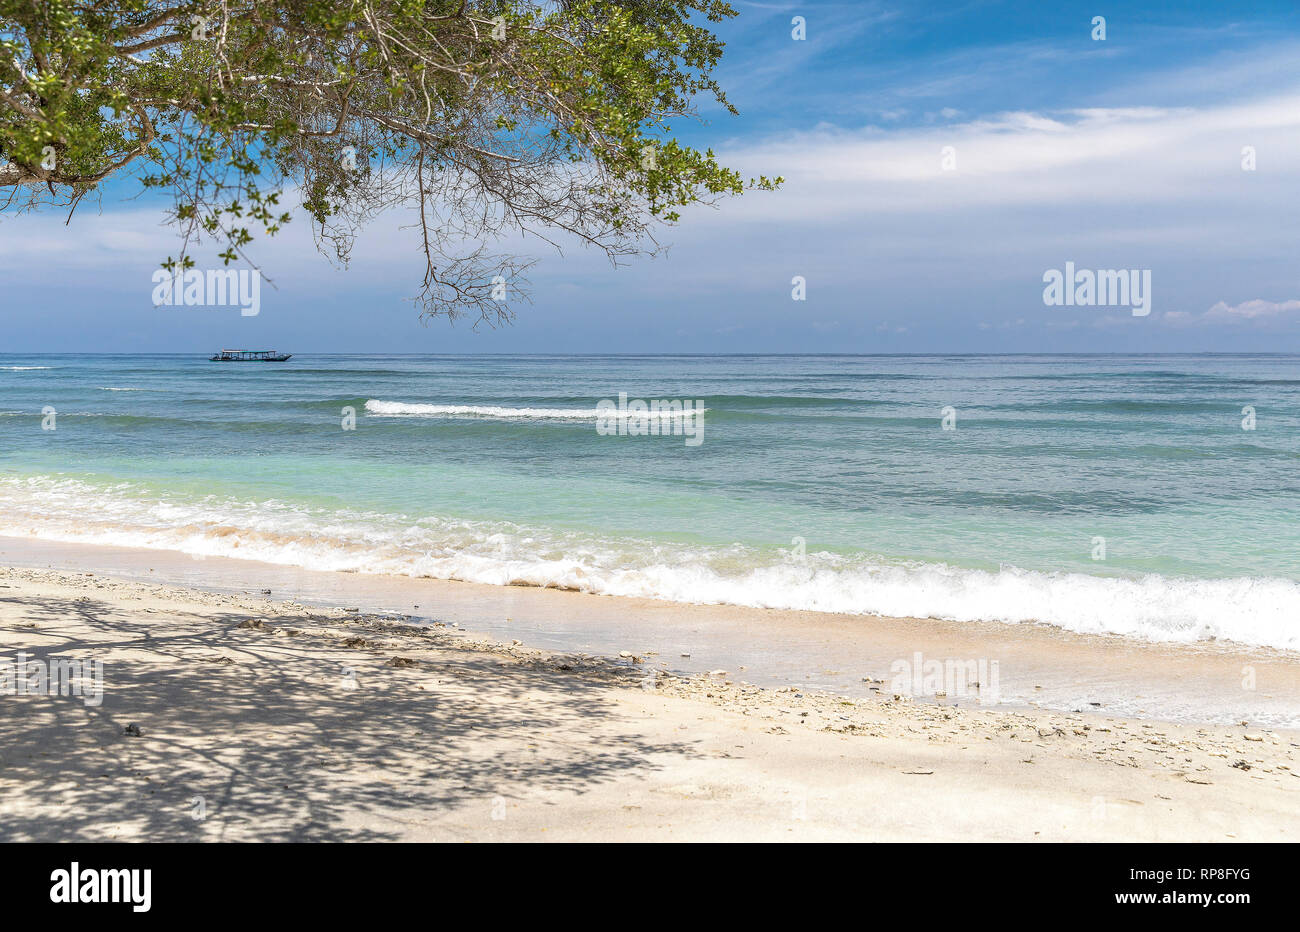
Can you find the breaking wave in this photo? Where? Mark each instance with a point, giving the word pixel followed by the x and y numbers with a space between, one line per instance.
pixel 402 409
pixel 1259 611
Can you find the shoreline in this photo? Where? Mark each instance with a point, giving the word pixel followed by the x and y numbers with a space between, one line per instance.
pixel 245 717
pixel 1039 666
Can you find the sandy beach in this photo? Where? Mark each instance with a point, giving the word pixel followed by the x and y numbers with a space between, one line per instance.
pixel 238 717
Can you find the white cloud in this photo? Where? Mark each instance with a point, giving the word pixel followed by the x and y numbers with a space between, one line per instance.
pixel 1127 156
pixel 1254 311
pixel 1249 310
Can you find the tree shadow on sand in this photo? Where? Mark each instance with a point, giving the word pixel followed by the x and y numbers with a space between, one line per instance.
pixel 303 729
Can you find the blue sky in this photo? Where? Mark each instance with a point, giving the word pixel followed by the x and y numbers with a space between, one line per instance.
pixel 1117 154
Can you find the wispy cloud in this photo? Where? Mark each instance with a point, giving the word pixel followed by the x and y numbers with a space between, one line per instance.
pixel 1256 311
pixel 1130 155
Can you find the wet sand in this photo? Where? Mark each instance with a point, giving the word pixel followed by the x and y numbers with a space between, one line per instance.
pixel 1039 666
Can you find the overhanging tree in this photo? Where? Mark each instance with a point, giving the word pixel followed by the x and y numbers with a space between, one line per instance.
pixel 484 118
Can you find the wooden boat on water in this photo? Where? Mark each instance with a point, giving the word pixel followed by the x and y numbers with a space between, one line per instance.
pixel 243 355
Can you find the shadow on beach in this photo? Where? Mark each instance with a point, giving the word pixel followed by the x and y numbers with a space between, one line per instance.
pixel 302 729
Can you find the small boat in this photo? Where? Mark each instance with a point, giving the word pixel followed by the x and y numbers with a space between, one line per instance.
pixel 244 355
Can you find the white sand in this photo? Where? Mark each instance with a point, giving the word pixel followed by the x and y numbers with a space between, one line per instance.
pixel 256 730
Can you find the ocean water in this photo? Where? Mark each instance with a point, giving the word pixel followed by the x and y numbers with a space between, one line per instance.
pixel 1114 493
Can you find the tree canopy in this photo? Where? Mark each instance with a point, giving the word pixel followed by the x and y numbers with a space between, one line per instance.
pixel 483 117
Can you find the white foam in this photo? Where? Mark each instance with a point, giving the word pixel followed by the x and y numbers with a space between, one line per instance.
pixel 402 409
pixel 1253 611
pixel 22 368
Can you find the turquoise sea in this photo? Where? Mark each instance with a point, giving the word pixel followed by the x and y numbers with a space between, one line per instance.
pixel 1107 493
